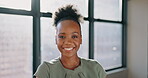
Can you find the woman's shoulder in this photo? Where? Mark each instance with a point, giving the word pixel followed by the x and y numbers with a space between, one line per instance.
pixel 90 62
pixel 51 62
pixel 91 65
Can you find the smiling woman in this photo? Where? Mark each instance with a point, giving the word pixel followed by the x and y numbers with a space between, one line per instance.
pixel 68 40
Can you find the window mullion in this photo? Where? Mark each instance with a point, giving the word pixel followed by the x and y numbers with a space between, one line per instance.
pixel 124 32
pixel 91 28
pixel 36 34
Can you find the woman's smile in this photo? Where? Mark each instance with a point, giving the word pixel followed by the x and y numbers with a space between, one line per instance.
pixel 68 49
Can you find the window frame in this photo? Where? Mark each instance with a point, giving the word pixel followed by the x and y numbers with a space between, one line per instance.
pixel 123 22
pixel 36 14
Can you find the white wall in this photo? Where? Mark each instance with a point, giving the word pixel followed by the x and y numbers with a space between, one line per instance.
pixel 137 38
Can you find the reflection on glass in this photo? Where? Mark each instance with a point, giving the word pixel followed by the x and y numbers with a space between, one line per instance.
pixel 108 9
pixel 49 49
pixel 15 46
pixel 108 44
pixel 52 5
pixel 16 4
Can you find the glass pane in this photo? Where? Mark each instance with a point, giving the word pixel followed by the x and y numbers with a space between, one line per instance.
pixel 16 4
pixel 83 51
pixel 15 46
pixel 108 9
pixel 52 5
pixel 108 44
pixel 49 49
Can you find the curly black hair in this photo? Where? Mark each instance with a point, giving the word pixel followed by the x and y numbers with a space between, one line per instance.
pixel 67 12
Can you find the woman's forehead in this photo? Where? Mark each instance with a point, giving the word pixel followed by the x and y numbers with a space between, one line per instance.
pixel 68 31
pixel 68 25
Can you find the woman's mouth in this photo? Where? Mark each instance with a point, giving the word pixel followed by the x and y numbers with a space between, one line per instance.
pixel 68 49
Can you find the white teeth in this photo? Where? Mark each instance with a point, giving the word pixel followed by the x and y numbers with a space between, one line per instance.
pixel 68 48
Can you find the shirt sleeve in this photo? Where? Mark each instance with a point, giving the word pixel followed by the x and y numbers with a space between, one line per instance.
pixel 101 71
pixel 42 71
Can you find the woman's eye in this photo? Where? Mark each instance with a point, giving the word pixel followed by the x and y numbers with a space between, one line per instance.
pixel 61 36
pixel 74 36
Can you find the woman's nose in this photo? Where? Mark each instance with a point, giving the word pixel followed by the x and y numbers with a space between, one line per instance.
pixel 68 41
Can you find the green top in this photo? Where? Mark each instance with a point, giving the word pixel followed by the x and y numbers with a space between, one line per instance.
pixel 54 69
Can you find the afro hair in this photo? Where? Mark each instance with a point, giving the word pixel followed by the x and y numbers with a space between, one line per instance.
pixel 67 11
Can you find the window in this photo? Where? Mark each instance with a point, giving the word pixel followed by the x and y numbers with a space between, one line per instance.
pixel 16 4
pixel 109 33
pixel 48 48
pixel 108 40
pixel 52 5
pixel 112 10
pixel 15 46
pixel 26 32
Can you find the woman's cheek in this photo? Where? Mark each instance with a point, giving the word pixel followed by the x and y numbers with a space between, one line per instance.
pixel 60 40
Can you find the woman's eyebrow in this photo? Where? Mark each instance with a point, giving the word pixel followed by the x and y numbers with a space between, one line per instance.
pixel 62 33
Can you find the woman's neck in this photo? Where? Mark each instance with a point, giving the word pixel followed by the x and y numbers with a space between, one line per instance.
pixel 70 62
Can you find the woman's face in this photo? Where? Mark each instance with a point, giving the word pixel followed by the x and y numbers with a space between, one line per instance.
pixel 68 37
